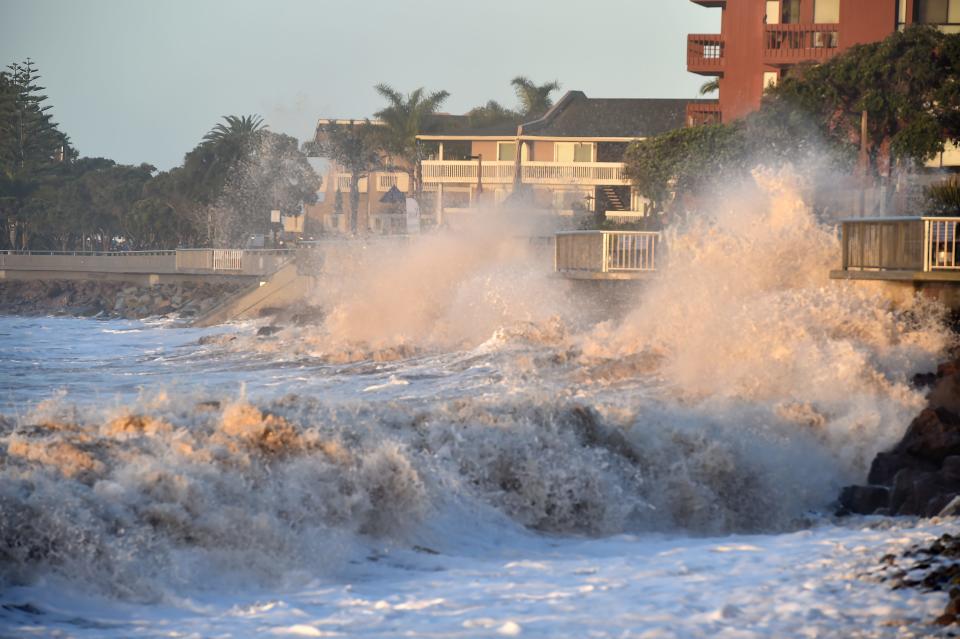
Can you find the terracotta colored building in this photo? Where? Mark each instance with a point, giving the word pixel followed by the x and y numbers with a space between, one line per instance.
pixel 760 40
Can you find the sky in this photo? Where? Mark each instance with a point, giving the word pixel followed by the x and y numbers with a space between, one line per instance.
pixel 139 81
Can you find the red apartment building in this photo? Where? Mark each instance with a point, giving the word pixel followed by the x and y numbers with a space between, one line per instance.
pixel 760 40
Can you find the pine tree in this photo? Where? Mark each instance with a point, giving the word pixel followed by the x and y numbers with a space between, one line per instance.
pixel 31 147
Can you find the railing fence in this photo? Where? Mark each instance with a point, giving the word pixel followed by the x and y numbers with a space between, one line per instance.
pixel 906 243
pixel 606 251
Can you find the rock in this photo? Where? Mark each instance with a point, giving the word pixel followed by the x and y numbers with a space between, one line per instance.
pixel 933 435
pixel 885 466
pixel 264 331
pixel 216 339
pixel 864 500
pixel 950 469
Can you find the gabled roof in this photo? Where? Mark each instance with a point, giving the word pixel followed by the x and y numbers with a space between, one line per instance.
pixel 576 115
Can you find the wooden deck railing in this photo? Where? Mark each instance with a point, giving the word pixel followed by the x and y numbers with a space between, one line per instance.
pixel 901 244
pixel 603 252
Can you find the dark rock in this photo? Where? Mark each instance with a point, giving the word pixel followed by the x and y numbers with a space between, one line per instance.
pixel 920 493
pixel 950 469
pixel 885 466
pixel 864 500
pixel 268 330
pixel 924 380
pixel 933 435
pixel 216 339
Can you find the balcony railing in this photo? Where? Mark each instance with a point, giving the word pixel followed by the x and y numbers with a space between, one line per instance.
pixel 700 113
pixel 580 173
pixel 465 171
pixel 705 53
pixel 901 244
pixel 798 42
pixel 573 173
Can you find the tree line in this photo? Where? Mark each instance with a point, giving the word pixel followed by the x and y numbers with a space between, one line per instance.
pixel 875 112
pixel 53 199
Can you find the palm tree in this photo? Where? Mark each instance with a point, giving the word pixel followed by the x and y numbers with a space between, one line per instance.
pixel 534 99
pixel 356 148
pixel 236 128
pixel 404 118
pixel 710 86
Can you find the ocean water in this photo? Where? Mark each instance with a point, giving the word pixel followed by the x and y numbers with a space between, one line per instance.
pixel 466 446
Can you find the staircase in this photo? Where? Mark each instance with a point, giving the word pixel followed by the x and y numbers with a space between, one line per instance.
pixel 614 201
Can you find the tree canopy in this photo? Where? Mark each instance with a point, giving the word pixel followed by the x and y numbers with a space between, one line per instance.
pixel 52 199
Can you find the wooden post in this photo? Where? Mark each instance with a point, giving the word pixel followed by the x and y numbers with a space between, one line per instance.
pixel 864 164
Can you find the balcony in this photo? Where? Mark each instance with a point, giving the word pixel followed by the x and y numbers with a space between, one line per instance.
pixel 464 172
pixel 701 113
pixel 705 53
pixel 792 43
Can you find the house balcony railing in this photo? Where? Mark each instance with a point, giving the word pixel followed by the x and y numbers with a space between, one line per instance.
pixel 465 171
pixel 546 173
pixel 700 113
pixel 789 43
pixel 705 53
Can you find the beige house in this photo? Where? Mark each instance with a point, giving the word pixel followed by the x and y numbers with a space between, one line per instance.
pixel 569 160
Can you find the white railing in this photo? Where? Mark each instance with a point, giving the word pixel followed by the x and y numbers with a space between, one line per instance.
pixel 940 246
pixel 227 259
pixel 573 173
pixel 582 173
pixel 386 181
pixel 606 251
pixel 465 171
pixel 900 244
pixel 630 250
pixel 343 183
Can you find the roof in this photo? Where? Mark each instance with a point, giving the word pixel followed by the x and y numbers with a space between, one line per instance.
pixel 576 115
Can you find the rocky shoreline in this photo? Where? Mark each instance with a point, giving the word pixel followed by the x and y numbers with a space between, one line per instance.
pixel 920 477
pixel 91 298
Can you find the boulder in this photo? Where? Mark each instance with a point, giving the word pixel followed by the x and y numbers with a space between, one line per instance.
pixel 934 435
pixel 864 500
pixel 885 467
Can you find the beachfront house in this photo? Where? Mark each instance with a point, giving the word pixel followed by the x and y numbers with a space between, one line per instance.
pixel 568 160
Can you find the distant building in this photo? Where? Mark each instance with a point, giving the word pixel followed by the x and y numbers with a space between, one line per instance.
pixel 568 160
pixel 761 40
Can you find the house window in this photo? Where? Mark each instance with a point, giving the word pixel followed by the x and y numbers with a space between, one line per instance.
pixel 826 11
pixel 573 152
pixel 506 151
pixel 773 12
pixel 770 79
pixel 939 12
pixel 791 11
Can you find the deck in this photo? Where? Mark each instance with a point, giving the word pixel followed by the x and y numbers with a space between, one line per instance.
pixel 606 255
pixel 900 249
